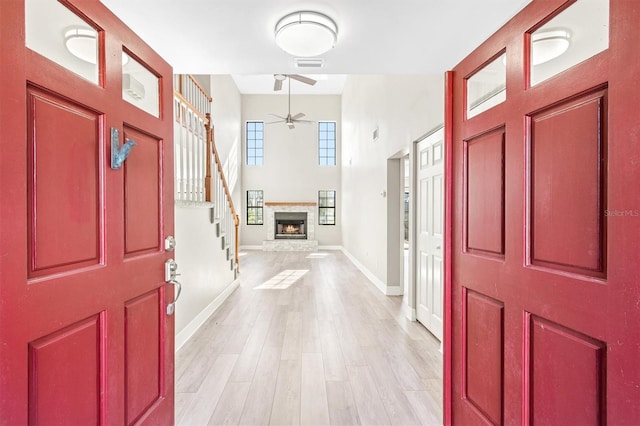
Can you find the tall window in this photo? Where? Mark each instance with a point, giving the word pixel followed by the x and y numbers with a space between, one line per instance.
pixel 327 143
pixel 254 207
pixel 327 207
pixel 255 143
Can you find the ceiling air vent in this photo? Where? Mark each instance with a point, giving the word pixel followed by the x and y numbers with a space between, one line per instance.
pixel 309 63
pixel 132 86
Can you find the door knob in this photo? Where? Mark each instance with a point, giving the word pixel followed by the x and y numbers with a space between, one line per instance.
pixel 170 274
pixel 171 307
pixel 169 243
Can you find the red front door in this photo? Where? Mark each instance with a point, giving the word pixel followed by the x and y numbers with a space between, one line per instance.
pixel 85 337
pixel 545 222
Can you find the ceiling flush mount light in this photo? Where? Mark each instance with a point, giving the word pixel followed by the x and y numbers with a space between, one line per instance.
pixel 82 43
pixel 306 34
pixel 548 45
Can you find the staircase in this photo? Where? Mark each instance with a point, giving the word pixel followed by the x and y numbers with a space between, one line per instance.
pixel 199 175
pixel 223 212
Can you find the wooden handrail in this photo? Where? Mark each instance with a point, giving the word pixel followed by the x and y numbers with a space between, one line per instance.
pixel 180 88
pixel 204 92
pixel 211 149
pixel 189 104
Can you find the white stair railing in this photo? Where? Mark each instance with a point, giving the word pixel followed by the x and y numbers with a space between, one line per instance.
pixel 199 175
pixel 225 214
pixel 191 106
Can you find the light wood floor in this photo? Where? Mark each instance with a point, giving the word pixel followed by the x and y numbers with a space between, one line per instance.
pixel 307 339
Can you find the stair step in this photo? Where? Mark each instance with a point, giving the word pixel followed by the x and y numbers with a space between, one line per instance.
pixel 212 215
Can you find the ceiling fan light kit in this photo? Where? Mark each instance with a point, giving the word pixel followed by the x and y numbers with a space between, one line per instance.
pixel 306 34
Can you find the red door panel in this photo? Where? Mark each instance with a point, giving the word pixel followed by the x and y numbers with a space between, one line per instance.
pixel 72 359
pixel 544 277
pixel 485 193
pixel 142 189
pixel 568 172
pixel 63 200
pixel 483 329
pixel 552 349
pixel 144 338
pixel 83 324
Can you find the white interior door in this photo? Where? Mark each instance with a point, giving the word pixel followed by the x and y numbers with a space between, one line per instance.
pixel 430 229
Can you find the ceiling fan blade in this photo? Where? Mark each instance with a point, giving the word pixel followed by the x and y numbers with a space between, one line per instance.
pixel 297 116
pixel 278 116
pixel 277 85
pixel 303 79
pixel 274 122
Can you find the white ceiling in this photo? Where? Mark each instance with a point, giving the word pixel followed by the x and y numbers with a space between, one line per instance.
pixel 374 36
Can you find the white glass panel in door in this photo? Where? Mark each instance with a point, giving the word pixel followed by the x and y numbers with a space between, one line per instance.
pixel 60 35
pixel 487 87
pixel 574 35
pixel 140 86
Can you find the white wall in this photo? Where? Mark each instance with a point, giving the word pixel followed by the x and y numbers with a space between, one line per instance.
pixel 403 108
pixel 291 172
pixel 226 113
pixel 205 271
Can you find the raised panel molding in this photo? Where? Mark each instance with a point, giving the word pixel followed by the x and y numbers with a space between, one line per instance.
pixel 484 193
pixel 567 181
pixel 482 358
pixel 142 192
pixel 64 181
pixel 565 375
pixel 65 385
pixel 144 364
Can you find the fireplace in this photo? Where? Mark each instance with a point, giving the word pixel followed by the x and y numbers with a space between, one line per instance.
pixel 290 226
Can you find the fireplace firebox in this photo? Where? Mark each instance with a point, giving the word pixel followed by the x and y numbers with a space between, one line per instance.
pixel 290 225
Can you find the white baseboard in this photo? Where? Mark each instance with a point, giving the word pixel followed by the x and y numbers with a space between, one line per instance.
pixel 251 247
pixel 412 314
pixel 394 291
pixel 185 334
pixel 386 290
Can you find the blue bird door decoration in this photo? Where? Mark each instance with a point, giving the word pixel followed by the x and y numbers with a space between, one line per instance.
pixel 119 153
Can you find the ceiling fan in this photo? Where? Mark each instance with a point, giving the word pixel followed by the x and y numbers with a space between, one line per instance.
pixel 289 119
pixel 279 78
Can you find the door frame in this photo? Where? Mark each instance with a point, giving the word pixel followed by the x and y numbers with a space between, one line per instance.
pixel 395 239
pixel 413 230
pixel 405 270
pixel 447 341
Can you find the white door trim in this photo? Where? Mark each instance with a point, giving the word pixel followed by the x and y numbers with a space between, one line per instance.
pixel 413 229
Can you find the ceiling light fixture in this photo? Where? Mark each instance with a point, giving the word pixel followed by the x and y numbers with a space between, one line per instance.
pixel 548 45
pixel 306 34
pixel 83 44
